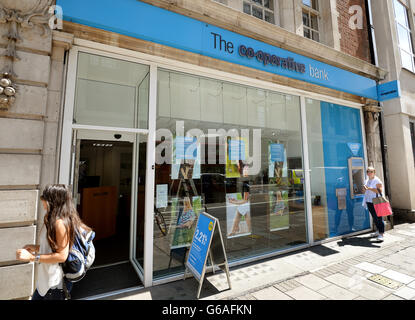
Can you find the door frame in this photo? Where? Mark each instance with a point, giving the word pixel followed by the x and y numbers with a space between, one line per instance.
pixel 106 135
pixel 69 130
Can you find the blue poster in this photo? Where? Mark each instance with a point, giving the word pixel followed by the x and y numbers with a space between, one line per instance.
pixel 236 150
pixel 183 148
pixel 354 148
pixel 200 245
pixel 277 152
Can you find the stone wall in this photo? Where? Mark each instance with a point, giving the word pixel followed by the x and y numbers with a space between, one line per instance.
pixel 28 132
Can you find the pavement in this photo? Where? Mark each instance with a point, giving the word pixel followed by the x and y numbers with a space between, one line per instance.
pixel 352 268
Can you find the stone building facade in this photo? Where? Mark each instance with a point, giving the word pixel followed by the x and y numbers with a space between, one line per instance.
pixel 34 57
pixel 394 28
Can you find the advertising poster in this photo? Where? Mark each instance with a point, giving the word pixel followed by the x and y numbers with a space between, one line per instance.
pixel 184 215
pixel 161 198
pixel 199 248
pixel 279 218
pixel 236 153
pixel 186 158
pixel 238 215
pixel 277 165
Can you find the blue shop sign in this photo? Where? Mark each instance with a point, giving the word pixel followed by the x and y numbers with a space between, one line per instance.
pixel 389 90
pixel 140 20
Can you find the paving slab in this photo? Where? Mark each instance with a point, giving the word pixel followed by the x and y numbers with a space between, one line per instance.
pixel 313 282
pixel 412 285
pixel 247 278
pixel 334 292
pixel 406 233
pixel 304 293
pixel 397 276
pixel 345 282
pixel 393 297
pixel 370 267
pixel 270 293
pixel 369 292
pixel 406 293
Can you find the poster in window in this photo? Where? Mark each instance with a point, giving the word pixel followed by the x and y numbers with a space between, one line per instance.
pixel 238 215
pixel 279 218
pixel 185 214
pixel 161 195
pixel 277 164
pixel 186 158
pixel 236 154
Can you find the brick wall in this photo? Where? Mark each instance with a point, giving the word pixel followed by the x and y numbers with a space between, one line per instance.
pixel 353 42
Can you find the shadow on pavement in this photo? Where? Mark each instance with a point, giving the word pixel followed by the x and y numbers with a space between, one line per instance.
pixel 368 242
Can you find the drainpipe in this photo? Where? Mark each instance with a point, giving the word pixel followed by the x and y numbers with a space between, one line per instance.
pixel 381 119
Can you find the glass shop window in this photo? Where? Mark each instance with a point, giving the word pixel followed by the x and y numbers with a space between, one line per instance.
pixel 111 92
pixel 235 151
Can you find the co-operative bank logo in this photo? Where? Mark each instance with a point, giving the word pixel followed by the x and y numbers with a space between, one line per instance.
pixel 268 59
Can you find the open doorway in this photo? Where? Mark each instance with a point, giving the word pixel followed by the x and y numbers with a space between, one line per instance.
pixel 104 197
pixel 103 187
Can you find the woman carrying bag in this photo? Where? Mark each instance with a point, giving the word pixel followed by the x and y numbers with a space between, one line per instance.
pixel 56 237
pixel 372 188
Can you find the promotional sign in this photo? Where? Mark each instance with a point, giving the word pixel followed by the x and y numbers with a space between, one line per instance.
pixel 161 196
pixel 236 153
pixel 207 240
pixel 277 152
pixel 238 216
pixel 186 158
pixel 185 216
pixel 200 245
pixel 279 218
pixel 354 148
pixel 277 164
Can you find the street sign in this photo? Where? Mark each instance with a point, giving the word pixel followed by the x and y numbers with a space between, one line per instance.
pixel 207 240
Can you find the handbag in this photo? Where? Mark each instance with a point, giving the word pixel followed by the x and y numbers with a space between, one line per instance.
pixel 382 206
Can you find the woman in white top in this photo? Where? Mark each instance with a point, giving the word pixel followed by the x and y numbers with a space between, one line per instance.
pixel 372 188
pixel 56 237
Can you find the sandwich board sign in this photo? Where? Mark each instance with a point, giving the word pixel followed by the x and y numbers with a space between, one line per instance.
pixel 207 240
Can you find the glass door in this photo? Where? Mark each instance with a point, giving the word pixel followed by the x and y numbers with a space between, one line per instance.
pixel 139 204
pixel 109 176
pixel 103 191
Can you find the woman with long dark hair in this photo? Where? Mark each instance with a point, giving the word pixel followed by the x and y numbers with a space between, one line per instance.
pixel 57 235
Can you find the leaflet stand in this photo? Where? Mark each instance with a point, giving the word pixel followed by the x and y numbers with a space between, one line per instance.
pixel 207 240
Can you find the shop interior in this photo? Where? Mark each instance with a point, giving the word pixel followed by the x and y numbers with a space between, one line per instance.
pixel 104 203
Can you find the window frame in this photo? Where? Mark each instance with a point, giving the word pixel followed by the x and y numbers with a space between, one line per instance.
pixel 311 12
pixel 409 33
pixel 256 5
pixel 412 132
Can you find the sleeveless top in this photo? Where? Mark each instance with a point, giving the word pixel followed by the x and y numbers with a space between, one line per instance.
pixel 49 276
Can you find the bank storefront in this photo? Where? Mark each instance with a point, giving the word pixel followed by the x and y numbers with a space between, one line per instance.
pixel 148 142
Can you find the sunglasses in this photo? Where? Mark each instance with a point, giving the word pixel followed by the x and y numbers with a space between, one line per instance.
pixel 368 171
